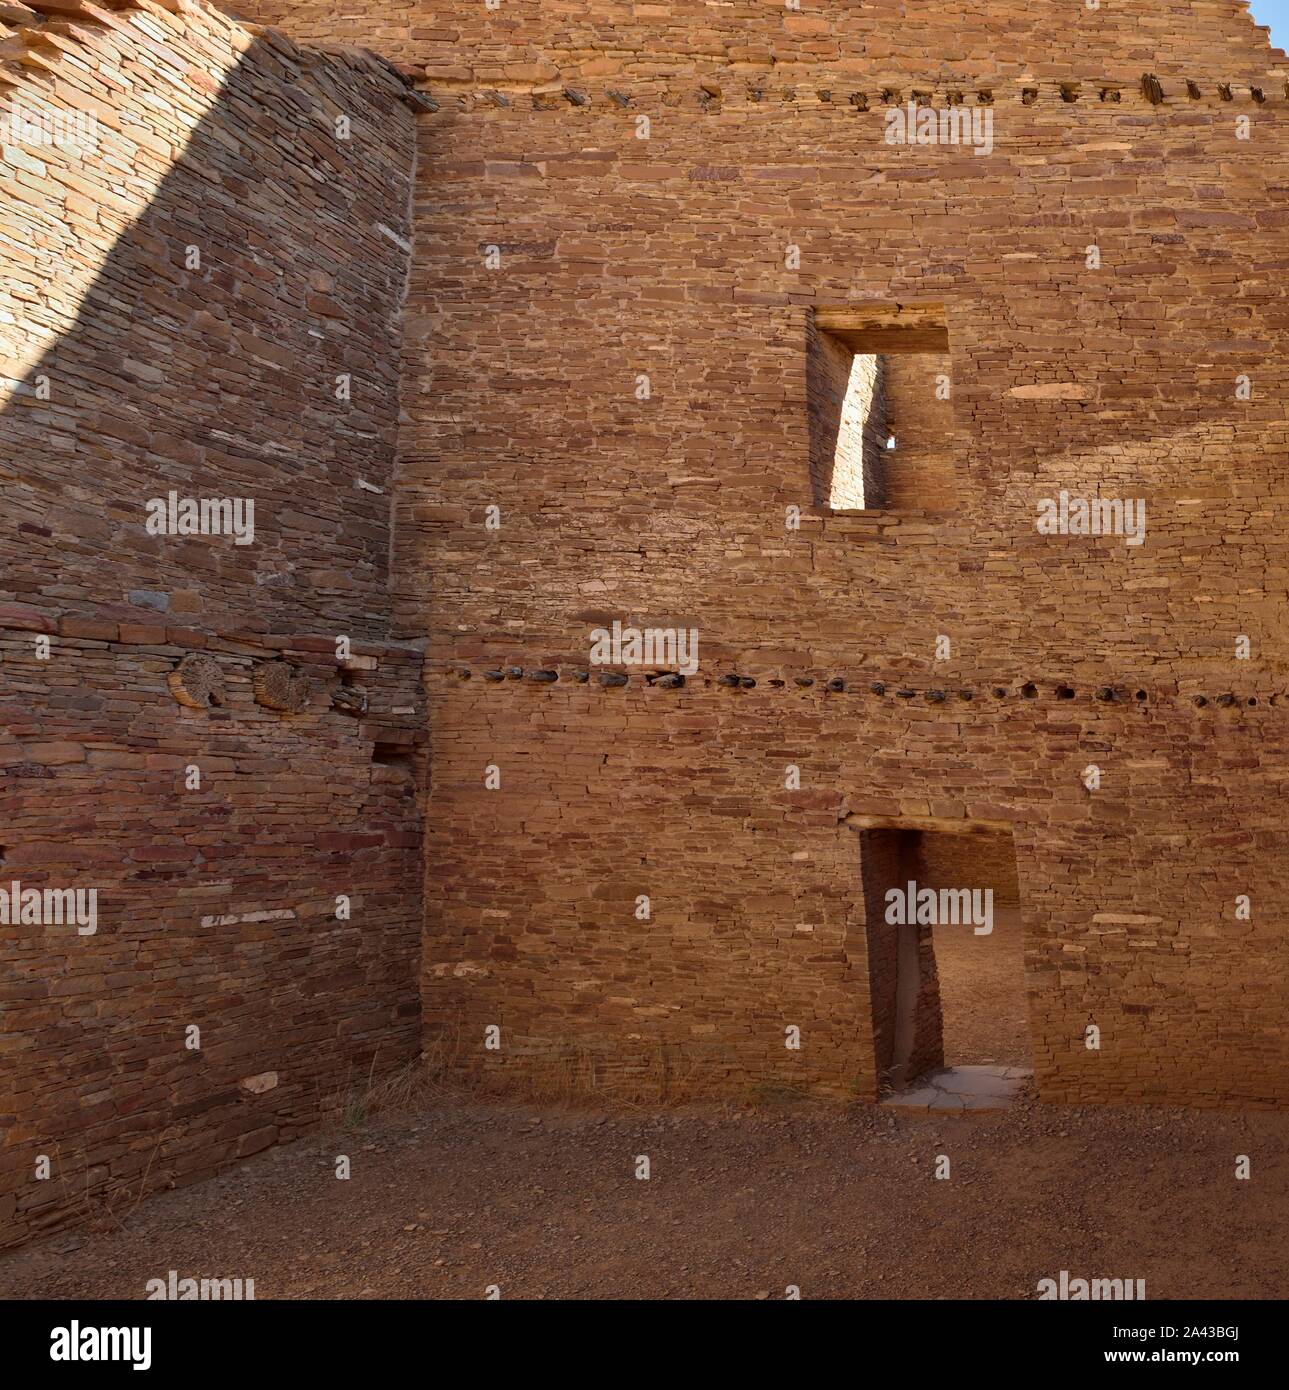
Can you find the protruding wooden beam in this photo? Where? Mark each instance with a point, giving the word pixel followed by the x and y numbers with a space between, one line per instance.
pixel 940 824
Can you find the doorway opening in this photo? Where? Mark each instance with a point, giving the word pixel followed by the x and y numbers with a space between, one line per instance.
pixel 946 965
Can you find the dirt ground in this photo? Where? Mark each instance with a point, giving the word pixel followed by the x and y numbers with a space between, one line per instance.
pixel 844 1203
pixel 456 1196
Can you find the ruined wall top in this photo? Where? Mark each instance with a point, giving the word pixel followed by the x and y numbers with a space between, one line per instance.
pixel 520 42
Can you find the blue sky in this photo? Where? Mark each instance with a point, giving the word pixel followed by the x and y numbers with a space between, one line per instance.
pixel 1276 14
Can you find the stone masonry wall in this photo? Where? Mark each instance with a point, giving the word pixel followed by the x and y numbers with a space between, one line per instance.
pixel 611 190
pixel 179 731
pixel 756 913
pixel 461 46
pixel 970 861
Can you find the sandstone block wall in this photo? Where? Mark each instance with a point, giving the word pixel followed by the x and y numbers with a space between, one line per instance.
pixel 667 255
pixel 133 371
pixel 564 250
pixel 970 861
pixel 757 919
pixel 616 190
pixel 460 46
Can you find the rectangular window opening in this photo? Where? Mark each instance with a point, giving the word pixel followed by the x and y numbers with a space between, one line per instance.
pixel 880 399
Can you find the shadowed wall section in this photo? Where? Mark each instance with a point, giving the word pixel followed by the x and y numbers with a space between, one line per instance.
pixel 179 303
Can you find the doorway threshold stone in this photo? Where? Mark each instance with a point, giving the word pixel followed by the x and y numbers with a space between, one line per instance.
pixel 962 1090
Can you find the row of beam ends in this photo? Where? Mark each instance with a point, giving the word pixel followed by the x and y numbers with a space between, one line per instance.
pixel 676 680
pixel 836 685
pixel 711 93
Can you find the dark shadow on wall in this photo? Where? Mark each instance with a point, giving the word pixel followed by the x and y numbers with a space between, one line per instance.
pixel 201 358
pixel 206 355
